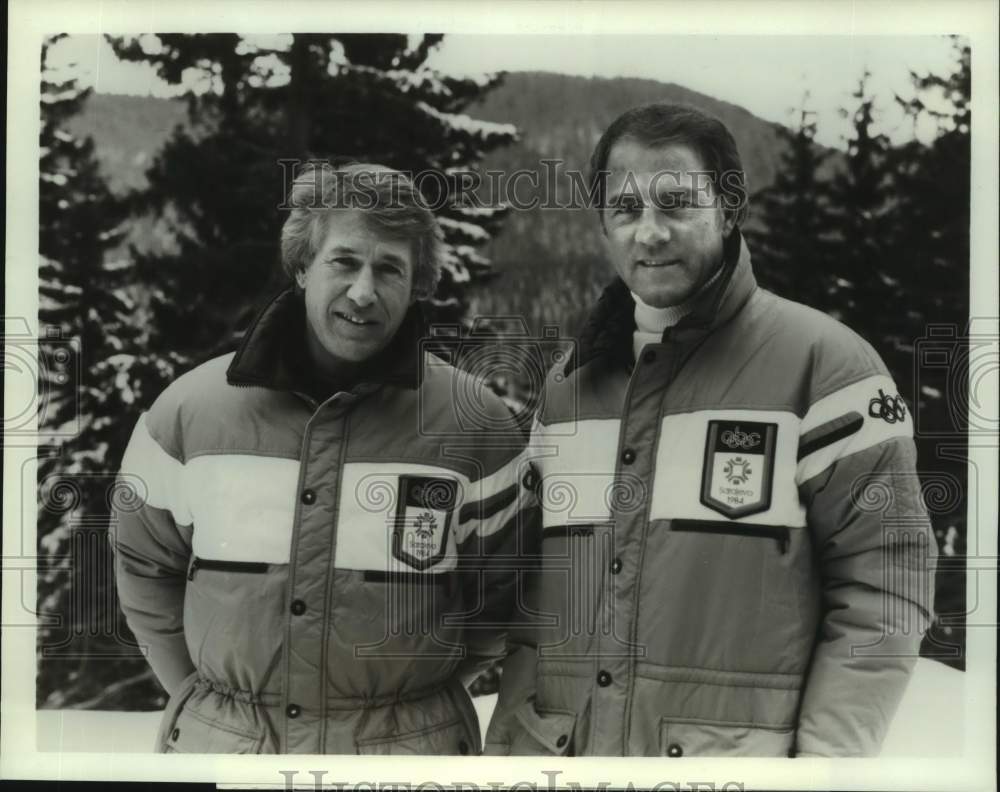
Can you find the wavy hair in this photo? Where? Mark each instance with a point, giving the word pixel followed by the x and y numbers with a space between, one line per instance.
pixel 389 202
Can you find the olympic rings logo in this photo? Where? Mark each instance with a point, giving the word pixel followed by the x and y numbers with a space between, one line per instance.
pixel 736 438
pixel 890 409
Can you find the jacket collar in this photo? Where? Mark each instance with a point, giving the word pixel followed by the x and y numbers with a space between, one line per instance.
pixel 272 353
pixel 608 330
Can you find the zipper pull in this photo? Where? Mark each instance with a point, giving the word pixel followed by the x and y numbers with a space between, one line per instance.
pixel 192 568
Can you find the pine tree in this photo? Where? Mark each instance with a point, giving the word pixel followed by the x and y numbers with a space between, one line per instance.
pixel 92 381
pixel 933 191
pixel 932 242
pixel 793 250
pixel 864 202
pixel 272 103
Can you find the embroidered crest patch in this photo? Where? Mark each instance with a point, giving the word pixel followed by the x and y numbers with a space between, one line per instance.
pixel 737 476
pixel 423 518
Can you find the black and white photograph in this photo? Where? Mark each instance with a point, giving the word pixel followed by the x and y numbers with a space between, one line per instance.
pixel 568 393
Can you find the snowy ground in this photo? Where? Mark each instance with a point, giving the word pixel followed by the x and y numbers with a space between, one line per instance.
pixel 929 721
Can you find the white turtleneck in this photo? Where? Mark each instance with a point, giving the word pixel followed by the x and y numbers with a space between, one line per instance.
pixel 650 322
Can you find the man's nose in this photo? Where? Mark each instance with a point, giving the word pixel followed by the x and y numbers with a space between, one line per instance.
pixel 362 291
pixel 652 229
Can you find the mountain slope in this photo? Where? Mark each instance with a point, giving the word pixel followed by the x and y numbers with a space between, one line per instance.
pixel 563 116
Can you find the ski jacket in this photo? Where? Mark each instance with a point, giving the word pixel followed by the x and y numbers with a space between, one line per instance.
pixel 316 575
pixel 736 559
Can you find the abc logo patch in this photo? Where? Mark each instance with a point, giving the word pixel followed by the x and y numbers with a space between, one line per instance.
pixel 890 408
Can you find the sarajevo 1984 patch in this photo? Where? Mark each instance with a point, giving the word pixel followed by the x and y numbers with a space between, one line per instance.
pixel 738 474
pixel 424 507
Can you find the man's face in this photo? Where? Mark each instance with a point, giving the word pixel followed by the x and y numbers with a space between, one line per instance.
pixel 357 291
pixel 664 228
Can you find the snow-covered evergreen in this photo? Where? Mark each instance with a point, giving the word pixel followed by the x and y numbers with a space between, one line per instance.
pixel 93 378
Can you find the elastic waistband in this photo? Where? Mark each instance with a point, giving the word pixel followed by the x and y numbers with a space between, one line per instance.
pixel 249 696
pixel 363 701
pixel 385 699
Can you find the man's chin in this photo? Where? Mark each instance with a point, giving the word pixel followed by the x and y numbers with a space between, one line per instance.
pixel 353 353
pixel 661 298
pixel 357 353
pixel 659 292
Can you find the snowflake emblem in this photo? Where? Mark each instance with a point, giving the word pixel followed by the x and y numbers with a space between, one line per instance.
pixel 737 470
pixel 425 525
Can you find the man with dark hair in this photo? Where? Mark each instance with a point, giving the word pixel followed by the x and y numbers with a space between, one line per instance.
pixel 304 553
pixel 746 566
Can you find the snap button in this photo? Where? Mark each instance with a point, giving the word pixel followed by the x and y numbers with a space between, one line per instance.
pixel 616 566
pixel 463 747
pixel 308 497
pixel 648 357
pixel 293 710
pixel 563 739
pixel 675 750
pixel 298 607
pixel 628 456
pixel 604 679
pixel 175 734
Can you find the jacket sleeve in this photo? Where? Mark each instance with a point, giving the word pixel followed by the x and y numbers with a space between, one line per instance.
pixel 876 551
pixel 516 727
pixel 150 538
pixel 499 509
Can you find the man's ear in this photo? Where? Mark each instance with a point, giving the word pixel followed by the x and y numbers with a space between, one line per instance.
pixel 300 278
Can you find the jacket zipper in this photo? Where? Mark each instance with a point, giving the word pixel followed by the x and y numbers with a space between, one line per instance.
pixel 780 533
pixel 253 567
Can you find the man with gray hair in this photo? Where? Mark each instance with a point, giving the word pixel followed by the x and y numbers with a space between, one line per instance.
pixel 307 562
pixel 747 569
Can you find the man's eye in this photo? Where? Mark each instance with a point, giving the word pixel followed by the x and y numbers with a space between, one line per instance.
pixel 669 203
pixel 627 206
pixel 343 261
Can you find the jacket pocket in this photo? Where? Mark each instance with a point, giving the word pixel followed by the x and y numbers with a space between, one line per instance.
pixel 680 738
pixel 174 706
pixel 542 732
pixel 575 559
pixel 780 533
pixel 442 739
pixel 193 733
pixel 252 567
